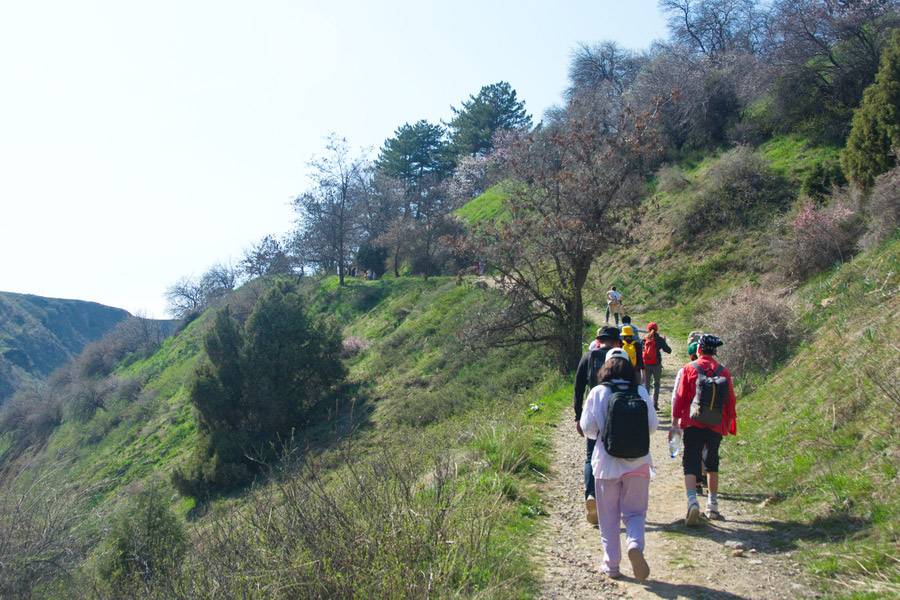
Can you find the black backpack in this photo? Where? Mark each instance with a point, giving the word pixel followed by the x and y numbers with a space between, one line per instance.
pixel 596 360
pixel 627 430
pixel 710 396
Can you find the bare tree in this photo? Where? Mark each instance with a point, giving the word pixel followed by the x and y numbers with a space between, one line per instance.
pixel 716 28
pixel 329 225
pixel 185 296
pixel 269 256
pixel 575 191
pixel 604 70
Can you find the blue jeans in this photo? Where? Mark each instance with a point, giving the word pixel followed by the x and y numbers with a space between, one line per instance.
pixel 616 315
pixel 588 471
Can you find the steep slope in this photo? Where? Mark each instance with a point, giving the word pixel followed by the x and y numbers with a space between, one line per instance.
pixel 39 334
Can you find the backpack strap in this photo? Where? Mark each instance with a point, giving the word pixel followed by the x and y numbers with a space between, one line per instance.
pixel 719 370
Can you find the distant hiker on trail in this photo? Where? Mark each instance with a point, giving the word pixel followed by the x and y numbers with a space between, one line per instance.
pixel 631 344
pixel 614 304
pixel 586 379
pixel 618 411
pixel 703 410
pixel 652 347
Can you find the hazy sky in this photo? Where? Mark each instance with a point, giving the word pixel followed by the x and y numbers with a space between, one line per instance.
pixel 144 141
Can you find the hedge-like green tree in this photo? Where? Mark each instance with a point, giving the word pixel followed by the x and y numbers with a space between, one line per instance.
pixel 146 541
pixel 260 385
pixel 876 123
pixel 417 155
pixel 494 108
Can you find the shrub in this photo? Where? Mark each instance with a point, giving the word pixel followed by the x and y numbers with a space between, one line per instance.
pixel 883 209
pixel 758 329
pixel 352 346
pixel 39 535
pixel 146 541
pixel 817 239
pixel 260 385
pixel 671 180
pixel 738 190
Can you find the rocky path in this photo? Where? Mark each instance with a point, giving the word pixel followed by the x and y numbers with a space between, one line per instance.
pixel 734 558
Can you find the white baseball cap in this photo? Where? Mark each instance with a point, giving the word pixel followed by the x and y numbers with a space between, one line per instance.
pixel 617 353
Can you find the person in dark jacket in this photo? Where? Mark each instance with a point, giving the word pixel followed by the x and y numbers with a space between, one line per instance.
pixel 653 359
pixel 585 380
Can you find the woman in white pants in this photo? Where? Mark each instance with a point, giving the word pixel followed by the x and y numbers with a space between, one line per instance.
pixel 622 485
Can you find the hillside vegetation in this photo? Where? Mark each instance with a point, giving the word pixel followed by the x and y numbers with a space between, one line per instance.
pixel 39 334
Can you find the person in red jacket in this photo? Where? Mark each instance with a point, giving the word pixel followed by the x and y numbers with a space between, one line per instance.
pixel 696 435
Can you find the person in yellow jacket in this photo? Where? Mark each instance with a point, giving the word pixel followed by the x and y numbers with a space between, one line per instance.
pixel 631 344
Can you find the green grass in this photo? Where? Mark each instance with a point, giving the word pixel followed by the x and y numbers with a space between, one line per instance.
pixel 795 156
pixel 488 206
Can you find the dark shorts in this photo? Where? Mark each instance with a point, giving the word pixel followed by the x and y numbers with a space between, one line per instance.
pixel 694 439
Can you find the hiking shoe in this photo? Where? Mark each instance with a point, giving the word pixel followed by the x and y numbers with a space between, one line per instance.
pixel 590 503
pixel 712 510
pixel 614 575
pixel 693 514
pixel 638 563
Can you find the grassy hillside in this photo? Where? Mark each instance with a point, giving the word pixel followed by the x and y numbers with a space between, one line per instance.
pixel 424 403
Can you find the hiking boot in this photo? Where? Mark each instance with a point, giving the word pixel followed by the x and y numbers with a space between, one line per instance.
pixel 712 510
pixel 638 563
pixel 590 503
pixel 656 406
pixel 693 514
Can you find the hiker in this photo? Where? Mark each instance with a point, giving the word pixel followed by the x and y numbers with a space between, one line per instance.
pixel 614 304
pixel 704 410
pixel 692 353
pixel 652 347
pixel 586 379
pixel 633 347
pixel 626 320
pixel 618 411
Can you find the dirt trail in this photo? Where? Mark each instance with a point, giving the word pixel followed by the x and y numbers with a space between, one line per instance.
pixel 685 562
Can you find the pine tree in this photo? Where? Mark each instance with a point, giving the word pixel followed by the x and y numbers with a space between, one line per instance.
pixel 494 108
pixel 876 123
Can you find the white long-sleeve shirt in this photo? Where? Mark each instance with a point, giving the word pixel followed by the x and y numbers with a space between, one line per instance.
pixel 593 421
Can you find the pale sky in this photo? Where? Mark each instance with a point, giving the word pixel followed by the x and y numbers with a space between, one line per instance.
pixel 144 141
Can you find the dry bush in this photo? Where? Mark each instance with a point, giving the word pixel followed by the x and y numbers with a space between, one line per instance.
pixel 352 346
pixel 395 522
pixel 671 180
pixel 883 209
pixel 39 539
pixel 738 190
pixel 758 330
pixel 817 239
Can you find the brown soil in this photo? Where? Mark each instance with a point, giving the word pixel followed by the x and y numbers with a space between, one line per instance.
pixel 685 562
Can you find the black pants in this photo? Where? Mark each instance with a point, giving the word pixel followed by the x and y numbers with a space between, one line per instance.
pixel 588 471
pixel 693 439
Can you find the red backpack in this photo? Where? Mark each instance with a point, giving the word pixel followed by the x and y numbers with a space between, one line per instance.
pixel 649 353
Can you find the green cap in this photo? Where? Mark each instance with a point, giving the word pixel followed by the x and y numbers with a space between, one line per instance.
pixel 692 349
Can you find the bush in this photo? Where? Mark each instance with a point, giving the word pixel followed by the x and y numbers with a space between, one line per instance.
pixel 352 346
pixel 671 180
pixel 146 541
pixel 758 329
pixel 818 238
pixel 738 190
pixel 883 209
pixel 261 383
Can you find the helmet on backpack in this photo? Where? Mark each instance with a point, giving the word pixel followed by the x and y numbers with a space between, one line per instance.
pixel 709 343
